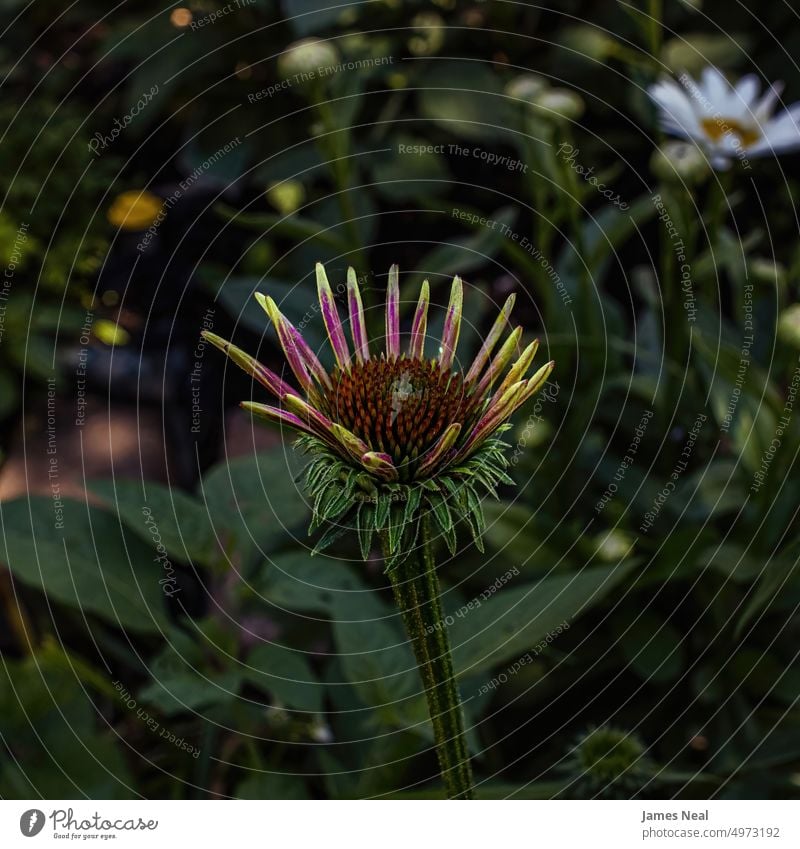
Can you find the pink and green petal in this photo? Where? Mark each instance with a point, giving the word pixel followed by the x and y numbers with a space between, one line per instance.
pixel 294 357
pixel 289 335
pixel 452 324
pixel 330 316
pixel 494 416
pixel 520 366
pixel 354 446
pixel 492 337
pixel 436 454
pixel 503 402
pixel 393 313
pixel 500 361
pixel 308 413
pixel 358 327
pixel 273 414
pixel 538 380
pixel 420 324
pixel 251 365
pixel 380 464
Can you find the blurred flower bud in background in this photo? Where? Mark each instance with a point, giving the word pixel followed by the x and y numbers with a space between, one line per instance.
pixel 429 34
pixel 560 104
pixel 526 87
pixel 286 196
pixel 767 271
pixel 308 56
pixel 613 546
pixel 590 42
pixel 789 326
pixel 681 162
pixel 693 52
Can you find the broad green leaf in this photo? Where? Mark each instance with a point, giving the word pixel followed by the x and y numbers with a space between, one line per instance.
pixel 517 535
pixel 733 561
pixel 296 581
pixel 160 515
pixel 89 563
pixel 513 621
pixel 298 162
pixel 286 674
pixel 374 653
pixel 255 501
pixel 49 726
pixel 196 669
pixel 779 573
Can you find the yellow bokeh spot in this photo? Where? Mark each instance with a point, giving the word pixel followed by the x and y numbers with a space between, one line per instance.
pixel 180 17
pixel 110 333
pixel 134 210
pixel 286 196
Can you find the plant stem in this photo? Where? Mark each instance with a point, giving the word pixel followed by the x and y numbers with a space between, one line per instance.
pixel 416 591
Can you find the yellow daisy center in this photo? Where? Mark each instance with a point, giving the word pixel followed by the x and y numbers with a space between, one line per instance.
pixel 716 128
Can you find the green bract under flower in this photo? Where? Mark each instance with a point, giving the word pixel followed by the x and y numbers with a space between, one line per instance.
pixel 392 434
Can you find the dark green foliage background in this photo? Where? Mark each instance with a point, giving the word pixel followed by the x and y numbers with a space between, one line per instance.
pixel 272 674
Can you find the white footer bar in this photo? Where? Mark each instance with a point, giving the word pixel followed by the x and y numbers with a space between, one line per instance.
pixel 400 824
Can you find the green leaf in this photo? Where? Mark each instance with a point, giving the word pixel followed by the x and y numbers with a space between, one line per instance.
pixel 253 500
pixel 158 514
pixel 733 561
pixel 55 747
pixel 365 528
pixel 9 392
pixel 604 231
pixel 653 649
pixel 407 176
pixel 286 674
pixel 195 670
pixel 88 564
pixel 778 576
pixel 178 687
pixel 465 253
pixel 375 656
pixel 511 622
pixel 295 581
pixel 465 99
pixel 270 785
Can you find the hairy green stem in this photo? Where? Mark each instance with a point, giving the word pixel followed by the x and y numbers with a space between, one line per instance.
pixel 416 591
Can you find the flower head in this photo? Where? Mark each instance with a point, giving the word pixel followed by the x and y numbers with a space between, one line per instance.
pixel 394 432
pixel 607 763
pixel 727 121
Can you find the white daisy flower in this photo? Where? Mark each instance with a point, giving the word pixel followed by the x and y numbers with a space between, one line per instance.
pixel 727 121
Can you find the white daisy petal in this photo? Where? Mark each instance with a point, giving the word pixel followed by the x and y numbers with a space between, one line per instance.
pixel 715 86
pixel 747 89
pixel 677 114
pixel 720 163
pixel 781 134
pixel 763 109
pixel 727 121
